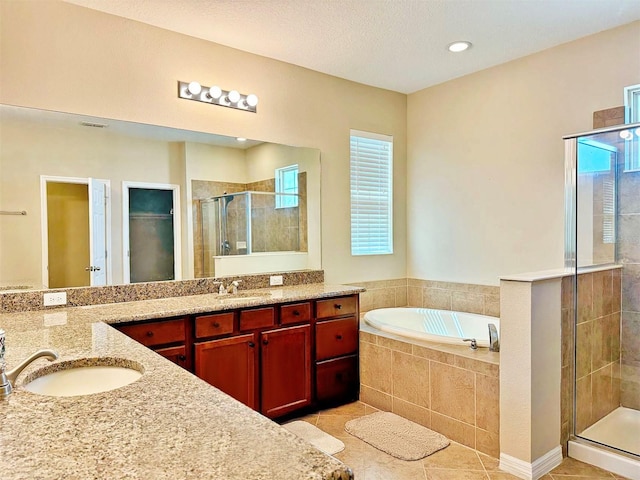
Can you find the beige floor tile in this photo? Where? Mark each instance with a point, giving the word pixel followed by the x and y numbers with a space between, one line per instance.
pixel 502 476
pixel 490 464
pixel 355 408
pixel 456 462
pixel 446 474
pixel 395 470
pixel 574 468
pixel 580 477
pixel 455 456
pixel 334 424
pixel 312 419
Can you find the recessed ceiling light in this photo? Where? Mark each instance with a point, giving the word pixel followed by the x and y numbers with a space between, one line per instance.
pixel 241 139
pixel 457 47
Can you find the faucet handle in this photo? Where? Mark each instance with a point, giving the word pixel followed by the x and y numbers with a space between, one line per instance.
pixel 474 343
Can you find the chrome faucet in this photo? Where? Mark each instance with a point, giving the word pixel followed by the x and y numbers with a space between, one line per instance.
pixel 8 379
pixel 473 345
pixel 233 287
pixel 494 341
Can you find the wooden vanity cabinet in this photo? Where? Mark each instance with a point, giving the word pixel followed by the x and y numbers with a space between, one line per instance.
pixel 276 359
pixel 337 375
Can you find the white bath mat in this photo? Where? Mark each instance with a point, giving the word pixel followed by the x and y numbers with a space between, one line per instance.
pixel 316 437
pixel 396 435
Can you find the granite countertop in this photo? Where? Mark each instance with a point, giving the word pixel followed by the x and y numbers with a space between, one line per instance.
pixel 167 425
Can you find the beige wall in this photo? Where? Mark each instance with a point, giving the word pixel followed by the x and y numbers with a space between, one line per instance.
pixel 111 67
pixel 485 157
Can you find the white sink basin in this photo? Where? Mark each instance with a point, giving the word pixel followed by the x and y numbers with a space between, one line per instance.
pixel 78 378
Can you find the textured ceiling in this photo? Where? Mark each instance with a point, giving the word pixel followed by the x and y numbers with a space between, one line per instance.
pixel 394 44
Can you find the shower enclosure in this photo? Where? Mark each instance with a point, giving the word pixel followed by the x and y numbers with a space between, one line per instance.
pixel 603 250
pixel 249 222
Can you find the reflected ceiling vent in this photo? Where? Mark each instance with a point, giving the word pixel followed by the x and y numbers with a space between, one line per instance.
pixel 94 125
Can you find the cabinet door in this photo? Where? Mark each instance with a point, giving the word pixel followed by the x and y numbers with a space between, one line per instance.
pixel 286 370
pixel 177 355
pixel 337 380
pixel 230 365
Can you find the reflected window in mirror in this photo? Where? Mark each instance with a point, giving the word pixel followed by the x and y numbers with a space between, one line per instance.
pixel 287 185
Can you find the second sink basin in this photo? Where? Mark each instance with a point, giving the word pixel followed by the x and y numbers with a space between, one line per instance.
pixel 84 377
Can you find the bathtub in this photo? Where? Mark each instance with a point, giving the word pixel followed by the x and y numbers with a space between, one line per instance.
pixel 440 326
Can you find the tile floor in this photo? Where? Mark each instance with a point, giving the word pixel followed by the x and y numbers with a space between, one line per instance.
pixel 456 462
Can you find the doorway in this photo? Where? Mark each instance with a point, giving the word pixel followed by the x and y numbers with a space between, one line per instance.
pixel 75 231
pixel 151 232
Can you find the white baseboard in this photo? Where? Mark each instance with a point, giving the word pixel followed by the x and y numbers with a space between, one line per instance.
pixel 531 471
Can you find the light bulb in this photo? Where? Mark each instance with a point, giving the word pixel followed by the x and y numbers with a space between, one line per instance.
pixel 194 88
pixel 215 92
pixel 234 96
pixel 638 132
pixel 625 134
pixel 241 139
pixel 457 47
pixel 252 100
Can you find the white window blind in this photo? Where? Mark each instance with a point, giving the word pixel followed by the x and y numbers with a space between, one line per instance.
pixel 371 193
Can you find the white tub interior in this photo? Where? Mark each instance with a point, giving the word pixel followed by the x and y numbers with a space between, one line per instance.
pixel 440 326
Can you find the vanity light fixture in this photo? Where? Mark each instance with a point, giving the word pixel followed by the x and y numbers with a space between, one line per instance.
pixel 216 96
pixel 457 47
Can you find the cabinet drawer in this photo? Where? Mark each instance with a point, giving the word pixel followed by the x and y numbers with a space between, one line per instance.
pixel 213 325
pixel 337 379
pixel 335 307
pixel 336 337
pixel 257 318
pixel 295 313
pixel 156 333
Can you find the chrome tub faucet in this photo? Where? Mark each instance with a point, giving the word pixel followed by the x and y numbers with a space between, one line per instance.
pixel 494 341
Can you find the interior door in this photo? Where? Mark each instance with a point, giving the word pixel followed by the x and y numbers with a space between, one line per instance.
pixel 98 231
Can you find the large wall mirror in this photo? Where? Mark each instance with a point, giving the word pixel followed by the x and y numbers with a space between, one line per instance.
pixel 89 201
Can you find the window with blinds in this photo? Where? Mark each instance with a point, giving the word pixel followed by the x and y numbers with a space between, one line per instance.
pixel 371 193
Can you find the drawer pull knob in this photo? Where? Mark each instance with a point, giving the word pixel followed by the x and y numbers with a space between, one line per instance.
pixel 216 325
pixel 338 306
pixel 182 358
pixel 339 337
pixel 265 341
pixel 296 313
pixel 251 344
pixel 149 333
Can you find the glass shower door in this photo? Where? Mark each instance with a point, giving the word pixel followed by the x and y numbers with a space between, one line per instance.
pixel 607 301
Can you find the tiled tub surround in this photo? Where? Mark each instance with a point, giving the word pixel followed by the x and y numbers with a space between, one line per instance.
pixel 402 292
pixel 81 296
pixel 167 425
pixel 450 389
pixel 598 387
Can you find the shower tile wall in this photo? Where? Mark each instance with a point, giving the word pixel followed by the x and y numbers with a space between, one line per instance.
pixel 629 256
pixel 597 349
